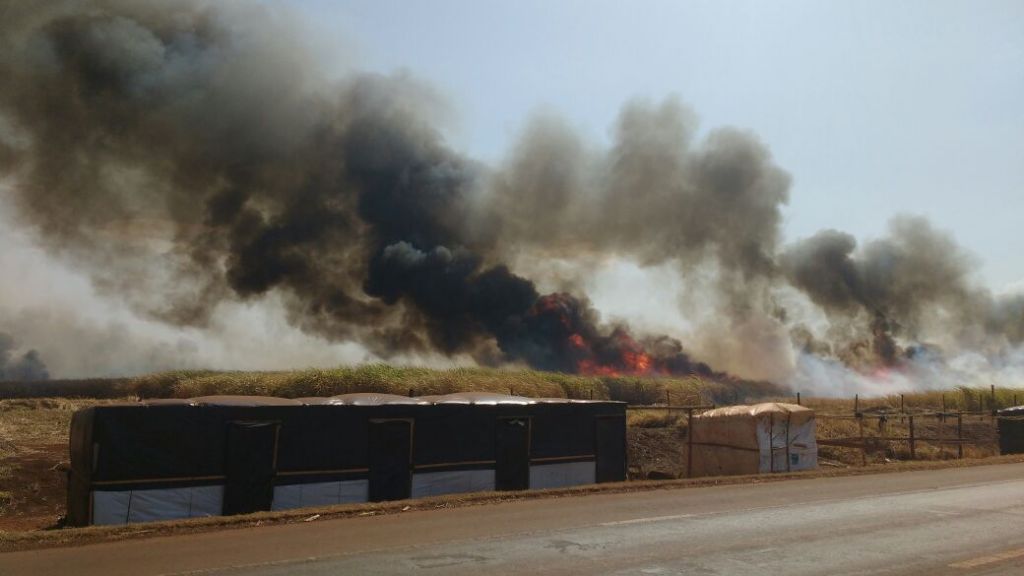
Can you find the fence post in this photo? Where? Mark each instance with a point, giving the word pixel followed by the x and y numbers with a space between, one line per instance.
pixel 798 399
pixel 913 453
pixel 959 435
pixel 410 393
pixel 863 443
pixel 668 400
pixel 689 442
pixel 993 397
pixel 771 442
pixel 856 403
pixel 903 406
pixel 939 419
pixel 883 430
pixel 789 417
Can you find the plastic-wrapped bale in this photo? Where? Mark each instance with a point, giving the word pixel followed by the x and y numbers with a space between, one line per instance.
pixel 1010 422
pixel 756 439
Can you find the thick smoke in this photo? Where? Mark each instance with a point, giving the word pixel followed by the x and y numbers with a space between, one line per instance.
pixel 190 156
pixel 19 368
pixel 185 157
pixel 912 283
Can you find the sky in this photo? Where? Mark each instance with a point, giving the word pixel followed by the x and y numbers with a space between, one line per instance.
pixel 874 108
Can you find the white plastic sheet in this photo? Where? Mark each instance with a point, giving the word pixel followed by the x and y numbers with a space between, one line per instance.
pixel 451 482
pixel 129 506
pixel 562 474
pixel 320 494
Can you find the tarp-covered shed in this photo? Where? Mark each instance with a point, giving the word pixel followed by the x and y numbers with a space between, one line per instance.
pixel 1010 423
pixel 225 455
pixel 760 438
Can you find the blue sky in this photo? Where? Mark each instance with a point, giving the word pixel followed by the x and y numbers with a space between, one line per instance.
pixel 875 108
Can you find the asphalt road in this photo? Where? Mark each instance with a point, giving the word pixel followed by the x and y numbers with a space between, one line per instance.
pixel 956 521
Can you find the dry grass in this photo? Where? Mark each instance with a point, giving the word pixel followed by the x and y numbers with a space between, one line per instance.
pixel 656 419
pixel 33 443
pixel 960 399
pixel 396 380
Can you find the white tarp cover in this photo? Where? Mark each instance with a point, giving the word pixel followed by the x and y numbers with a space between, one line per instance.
pixel 562 474
pixel 484 398
pixel 451 482
pixel 373 399
pixel 244 401
pixel 290 496
pixel 743 439
pixel 129 506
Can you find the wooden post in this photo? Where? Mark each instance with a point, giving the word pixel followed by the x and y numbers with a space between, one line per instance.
pixel 1015 399
pixel 913 452
pixel 591 392
pixel 798 399
pixel 943 402
pixel 939 419
pixel 863 443
pixel 992 402
pixel 410 393
pixel 902 404
pixel 789 417
pixel 689 442
pixel 959 435
pixel 856 403
pixel 771 441
pixel 883 428
pixel 668 400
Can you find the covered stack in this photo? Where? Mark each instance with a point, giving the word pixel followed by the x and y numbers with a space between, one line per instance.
pixel 756 439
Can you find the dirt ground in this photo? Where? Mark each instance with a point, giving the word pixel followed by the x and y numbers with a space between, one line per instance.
pixel 34 460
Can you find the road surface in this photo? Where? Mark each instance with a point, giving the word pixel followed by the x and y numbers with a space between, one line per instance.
pixel 955 521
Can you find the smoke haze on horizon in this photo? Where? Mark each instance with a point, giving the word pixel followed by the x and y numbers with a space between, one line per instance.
pixel 232 208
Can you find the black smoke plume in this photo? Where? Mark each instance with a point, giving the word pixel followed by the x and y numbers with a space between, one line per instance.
pixel 184 154
pixel 26 367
